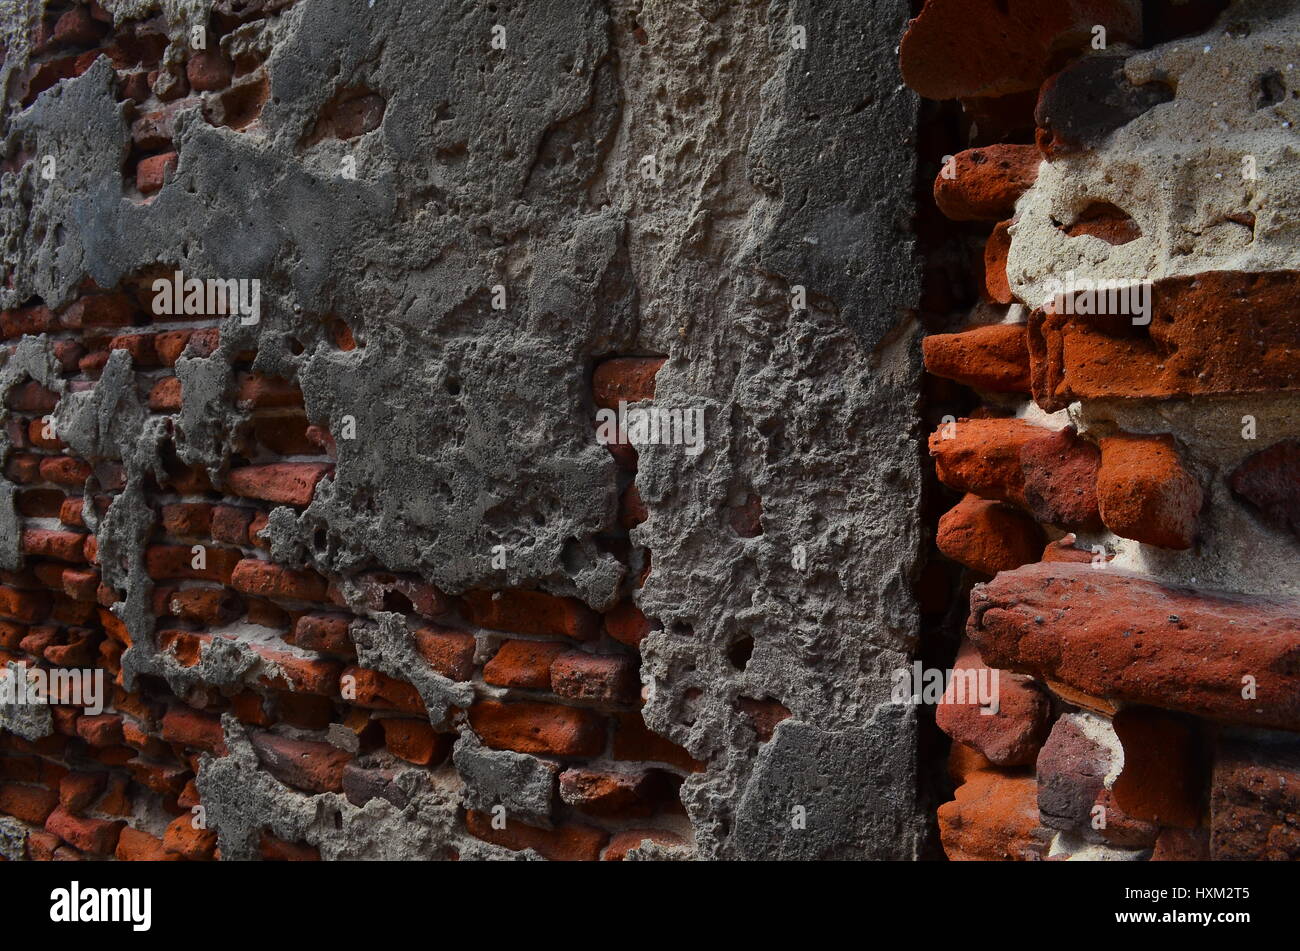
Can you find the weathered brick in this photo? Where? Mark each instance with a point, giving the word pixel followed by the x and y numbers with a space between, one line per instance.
pixel 524 664
pixel 600 677
pixel 567 843
pixel 311 767
pixel 1145 493
pixel 1117 636
pixel 533 613
pixel 993 358
pixel 97 836
pixel 268 580
pixel 285 483
pixel 538 728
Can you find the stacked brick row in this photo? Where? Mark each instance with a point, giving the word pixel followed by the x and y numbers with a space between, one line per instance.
pixel 1142 715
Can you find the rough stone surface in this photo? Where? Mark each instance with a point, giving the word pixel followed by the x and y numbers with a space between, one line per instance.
pixel 825 772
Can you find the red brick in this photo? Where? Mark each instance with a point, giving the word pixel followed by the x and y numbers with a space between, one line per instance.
pixel 152 172
pixel 985 48
pixel 36 435
pixel 1145 493
pixel 75 28
pixel 165 562
pixel 97 836
pixel 1255 801
pixel 1214 333
pixel 230 524
pixel 597 792
pixel 538 728
pixel 532 612
pixel 165 397
pixel 187 519
pixel 994 817
pixel 208 70
pixel 31 397
pixel 449 652
pixel 1117 636
pixel 78 790
pixel 191 728
pixel 268 580
pixel 983 457
pixel 600 677
pixel 415 741
pixel 627 379
pixel 1060 476
pixel 102 730
pixel 1269 480
pixel 1010 737
pixel 286 483
pixel 183 840
pixel 1164 775
pixel 277 850
pixel 99 310
pixel 626 624
pixel 27 320
pixel 311 767
pixel 286 671
pixel 764 715
pixel 166 779
pixel 47 543
pixel 524 664
pixel 324 632
pixel 257 391
pixel 65 470
pixel 381 692
pixel 567 843
pixel 42 845
pixel 983 184
pixel 988 536
pixel 997 288
pixel 633 740
pixel 213 607
pixel 29 803
pixel 24 606
pixel 136 846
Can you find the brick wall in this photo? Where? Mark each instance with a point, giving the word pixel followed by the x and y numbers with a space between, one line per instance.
pixel 362 574
pixel 1123 494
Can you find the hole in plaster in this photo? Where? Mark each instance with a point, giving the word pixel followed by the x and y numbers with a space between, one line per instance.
pixel 1268 89
pixel 740 652
pixel 398 602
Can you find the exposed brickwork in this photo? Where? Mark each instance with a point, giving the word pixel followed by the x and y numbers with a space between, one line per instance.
pixel 1141 642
